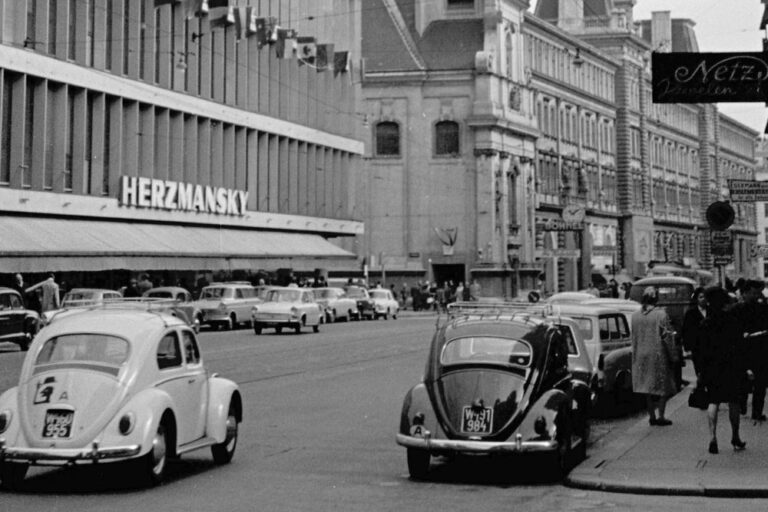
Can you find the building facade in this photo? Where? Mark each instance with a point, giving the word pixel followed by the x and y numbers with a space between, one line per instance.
pixel 168 137
pixel 560 168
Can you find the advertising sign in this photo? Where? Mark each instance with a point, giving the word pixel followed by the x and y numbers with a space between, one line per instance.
pixel 559 225
pixel 721 247
pixel 142 192
pixel 685 77
pixel 749 191
pixel 759 251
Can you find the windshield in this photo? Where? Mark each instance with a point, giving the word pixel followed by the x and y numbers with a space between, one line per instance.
pixel 99 348
pixel 584 326
pixel 356 293
pixel 79 297
pixel 216 293
pixel 160 295
pixel 325 294
pixel 486 349
pixel 283 296
pixel 378 294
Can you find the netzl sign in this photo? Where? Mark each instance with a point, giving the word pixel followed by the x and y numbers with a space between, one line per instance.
pixel 709 77
pixel 144 192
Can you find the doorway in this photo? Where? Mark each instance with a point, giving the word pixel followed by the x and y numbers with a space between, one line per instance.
pixel 443 273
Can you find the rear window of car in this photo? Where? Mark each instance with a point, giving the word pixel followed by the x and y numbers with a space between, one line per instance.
pixel 160 295
pixel 217 293
pixel 486 349
pixel 356 293
pixel 95 348
pixel 283 296
pixel 584 326
pixel 379 294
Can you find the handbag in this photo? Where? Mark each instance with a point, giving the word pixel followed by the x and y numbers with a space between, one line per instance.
pixel 698 399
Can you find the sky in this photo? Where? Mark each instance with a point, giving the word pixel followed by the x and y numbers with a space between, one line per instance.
pixel 721 26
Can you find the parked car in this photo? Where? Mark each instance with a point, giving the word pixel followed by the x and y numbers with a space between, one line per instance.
pixel 496 385
pixel 365 307
pixel 17 323
pixel 227 305
pixel 384 303
pixel 115 384
pixel 290 307
pixel 568 297
pixel 336 304
pixel 81 298
pixel 182 304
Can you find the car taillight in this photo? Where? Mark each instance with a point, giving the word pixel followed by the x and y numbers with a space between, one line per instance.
pixel 5 420
pixel 125 426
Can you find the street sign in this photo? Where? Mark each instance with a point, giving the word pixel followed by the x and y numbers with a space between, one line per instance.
pixel 749 191
pixel 759 251
pixel 721 245
pixel 720 215
pixel 686 77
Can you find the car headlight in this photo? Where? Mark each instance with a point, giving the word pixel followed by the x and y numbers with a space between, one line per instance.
pixel 5 420
pixel 294 311
pixel 126 423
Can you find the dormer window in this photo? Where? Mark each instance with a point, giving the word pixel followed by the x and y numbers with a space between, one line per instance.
pixel 460 4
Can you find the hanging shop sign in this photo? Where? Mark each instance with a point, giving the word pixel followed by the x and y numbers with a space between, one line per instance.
pixel 749 191
pixel 686 77
pixel 142 192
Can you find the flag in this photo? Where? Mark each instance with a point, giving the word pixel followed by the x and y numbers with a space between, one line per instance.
pixel 221 16
pixel 272 28
pixel 306 49
pixel 245 22
pixel 195 8
pixel 158 3
pixel 266 30
pixel 285 47
pixel 340 62
pixel 324 57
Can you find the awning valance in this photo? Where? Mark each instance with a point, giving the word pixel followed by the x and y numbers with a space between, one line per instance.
pixel 53 244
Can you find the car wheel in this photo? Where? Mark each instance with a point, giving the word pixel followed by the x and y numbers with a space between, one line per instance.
pixel 394 315
pixel 231 322
pixel 155 461
pixel 223 452
pixel 332 317
pixel 316 328
pixel 257 327
pixel 278 329
pixel 298 326
pixel 418 463
pixel 556 466
pixel 12 474
pixel 386 315
pixel 349 316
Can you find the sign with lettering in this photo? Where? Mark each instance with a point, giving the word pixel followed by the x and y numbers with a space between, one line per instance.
pixel 559 225
pixel 749 191
pixel 721 247
pixel 144 192
pixel 685 77
pixel 759 251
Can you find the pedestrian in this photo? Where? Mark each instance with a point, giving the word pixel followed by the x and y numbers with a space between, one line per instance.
pixel 752 318
pixel 627 288
pixel 132 290
pixel 49 299
pixel 474 290
pixel 18 285
pixel 692 326
pixel 460 291
pixel 145 284
pixel 722 364
pixel 654 357
pixel 613 289
pixel 440 298
pixel 592 289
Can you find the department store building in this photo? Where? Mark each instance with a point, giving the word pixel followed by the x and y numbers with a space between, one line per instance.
pixel 178 139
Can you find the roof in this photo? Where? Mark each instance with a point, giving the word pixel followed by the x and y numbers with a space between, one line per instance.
pixel 451 44
pixel 664 280
pixel 127 322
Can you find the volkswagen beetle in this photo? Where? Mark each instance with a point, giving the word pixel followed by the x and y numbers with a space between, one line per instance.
pixel 115 384
pixel 496 384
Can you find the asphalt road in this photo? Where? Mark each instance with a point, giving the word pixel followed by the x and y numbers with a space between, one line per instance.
pixel 321 412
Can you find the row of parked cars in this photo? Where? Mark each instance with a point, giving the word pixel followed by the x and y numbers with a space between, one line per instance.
pixel 224 305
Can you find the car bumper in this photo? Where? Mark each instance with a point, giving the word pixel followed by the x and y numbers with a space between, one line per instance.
pixel 215 316
pixel 276 319
pixel 60 456
pixel 478 447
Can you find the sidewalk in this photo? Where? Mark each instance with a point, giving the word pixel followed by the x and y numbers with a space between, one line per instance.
pixel 675 460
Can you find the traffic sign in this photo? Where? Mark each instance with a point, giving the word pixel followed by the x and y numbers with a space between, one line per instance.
pixel 721 246
pixel 720 215
pixel 749 191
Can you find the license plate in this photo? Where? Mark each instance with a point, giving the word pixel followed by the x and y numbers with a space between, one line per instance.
pixel 477 421
pixel 58 423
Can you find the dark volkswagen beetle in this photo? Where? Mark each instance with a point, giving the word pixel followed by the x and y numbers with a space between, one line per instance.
pixel 496 384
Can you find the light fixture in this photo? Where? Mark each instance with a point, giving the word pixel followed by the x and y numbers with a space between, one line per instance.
pixel 577 59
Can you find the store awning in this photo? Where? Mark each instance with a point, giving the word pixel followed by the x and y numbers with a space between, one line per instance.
pixel 48 244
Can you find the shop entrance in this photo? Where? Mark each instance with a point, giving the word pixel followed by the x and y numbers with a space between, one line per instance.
pixel 443 273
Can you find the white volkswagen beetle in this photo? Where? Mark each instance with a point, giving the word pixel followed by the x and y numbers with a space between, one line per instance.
pixel 112 384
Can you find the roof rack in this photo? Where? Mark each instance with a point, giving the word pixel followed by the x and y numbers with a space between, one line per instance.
pixel 486 309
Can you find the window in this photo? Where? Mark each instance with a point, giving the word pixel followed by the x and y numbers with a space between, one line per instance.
pixel 460 4
pixel 387 139
pixel 97 348
pixel 168 354
pixel 446 138
pixel 765 209
pixel 191 352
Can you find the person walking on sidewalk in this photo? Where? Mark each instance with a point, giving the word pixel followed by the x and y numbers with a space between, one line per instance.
pixel 752 318
pixel 692 326
pixel 654 357
pixel 722 365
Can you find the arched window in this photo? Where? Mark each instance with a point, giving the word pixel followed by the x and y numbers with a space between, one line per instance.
pixel 387 139
pixel 447 138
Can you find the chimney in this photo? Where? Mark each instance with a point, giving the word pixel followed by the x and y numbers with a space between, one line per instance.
pixel 570 15
pixel 661 31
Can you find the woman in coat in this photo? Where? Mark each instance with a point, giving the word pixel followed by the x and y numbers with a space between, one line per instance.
pixel 654 357
pixel 692 326
pixel 723 365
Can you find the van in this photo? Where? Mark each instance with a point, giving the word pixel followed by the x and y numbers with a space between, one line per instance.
pixel 674 295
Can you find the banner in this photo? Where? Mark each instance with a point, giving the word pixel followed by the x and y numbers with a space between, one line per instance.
pixel 324 56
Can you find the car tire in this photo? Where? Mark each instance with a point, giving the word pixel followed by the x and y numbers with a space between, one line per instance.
pixel 12 475
pixel 256 327
pixel 394 315
pixel 230 323
pixel 332 318
pixel 556 466
pixel 418 463
pixel 386 315
pixel 316 328
pixel 297 327
pixel 224 451
pixel 154 463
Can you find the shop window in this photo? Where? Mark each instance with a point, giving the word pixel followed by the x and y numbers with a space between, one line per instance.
pixel 460 4
pixel 447 138
pixel 387 137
